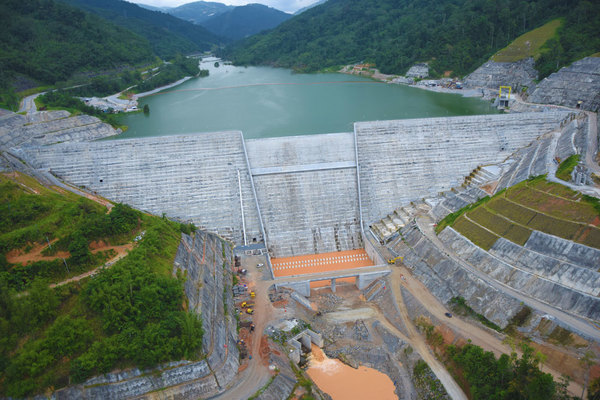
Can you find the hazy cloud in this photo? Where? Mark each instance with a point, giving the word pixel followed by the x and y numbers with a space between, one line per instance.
pixel 289 6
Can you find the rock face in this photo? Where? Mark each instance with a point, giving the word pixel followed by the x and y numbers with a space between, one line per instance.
pixel 418 71
pixel 492 75
pixel 49 127
pixel 206 260
pixel 578 82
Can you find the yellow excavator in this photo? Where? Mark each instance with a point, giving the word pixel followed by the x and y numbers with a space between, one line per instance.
pixel 393 260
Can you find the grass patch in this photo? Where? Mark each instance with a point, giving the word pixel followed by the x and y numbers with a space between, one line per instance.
pixel 475 233
pixel 528 44
pixel 590 237
pixel 512 211
pixel 561 336
pixel 449 219
pixel 535 204
pixel 493 222
pixel 566 167
pixel 460 306
pixel 554 226
pixel 518 234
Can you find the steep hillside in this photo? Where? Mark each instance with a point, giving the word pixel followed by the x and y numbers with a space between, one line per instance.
pixel 300 11
pixel 48 42
pixel 129 314
pixel 168 35
pixel 454 35
pixel 528 44
pixel 245 21
pixel 198 11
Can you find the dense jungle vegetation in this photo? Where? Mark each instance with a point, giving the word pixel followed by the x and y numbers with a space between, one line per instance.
pixel 50 43
pixel 452 35
pixel 129 314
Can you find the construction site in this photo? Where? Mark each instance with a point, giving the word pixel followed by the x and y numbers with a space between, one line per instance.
pixel 344 241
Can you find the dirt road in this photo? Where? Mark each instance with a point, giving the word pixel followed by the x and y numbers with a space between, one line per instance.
pixel 419 343
pixel 488 339
pixel 257 374
pixel 425 224
pixel 121 250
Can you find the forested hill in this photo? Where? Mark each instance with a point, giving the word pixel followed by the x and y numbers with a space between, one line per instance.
pixel 246 20
pixel 453 35
pixel 198 11
pixel 167 34
pixel 49 41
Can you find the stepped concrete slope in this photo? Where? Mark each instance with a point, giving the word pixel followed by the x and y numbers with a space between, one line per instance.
pixel 566 287
pixel 535 159
pixel 446 278
pixel 307 191
pixel 493 74
pixel 191 177
pixel 50 127
pixel 206 260
pixel 578 82
pixel 407 160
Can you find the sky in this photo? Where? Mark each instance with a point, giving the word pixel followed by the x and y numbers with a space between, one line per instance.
pixel 289 6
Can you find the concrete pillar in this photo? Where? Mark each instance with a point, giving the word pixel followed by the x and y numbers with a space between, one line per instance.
pixel 305 340
pixel 301 287
pixel 333 285
pixel 360 282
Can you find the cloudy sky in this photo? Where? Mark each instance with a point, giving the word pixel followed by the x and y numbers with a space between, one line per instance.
pixel 283 5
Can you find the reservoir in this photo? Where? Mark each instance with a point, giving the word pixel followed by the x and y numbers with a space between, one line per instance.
pixel 267 102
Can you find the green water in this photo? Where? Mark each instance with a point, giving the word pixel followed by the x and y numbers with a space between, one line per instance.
pixel 265 102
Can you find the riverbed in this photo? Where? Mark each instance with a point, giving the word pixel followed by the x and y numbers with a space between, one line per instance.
pixel 267 102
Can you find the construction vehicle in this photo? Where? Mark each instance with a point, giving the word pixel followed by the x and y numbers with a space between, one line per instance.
pixel 247 304
pixel 249 310
pixel 393 260
pixel 252 294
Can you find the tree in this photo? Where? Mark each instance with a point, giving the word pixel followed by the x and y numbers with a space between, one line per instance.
pixel 78 247
pixel 146 109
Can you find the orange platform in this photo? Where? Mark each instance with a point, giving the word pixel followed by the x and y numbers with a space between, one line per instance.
pixel 315 263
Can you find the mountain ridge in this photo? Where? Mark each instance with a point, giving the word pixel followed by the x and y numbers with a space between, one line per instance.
pixel 244 21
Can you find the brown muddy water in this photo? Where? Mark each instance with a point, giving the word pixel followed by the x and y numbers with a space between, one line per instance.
pixel 343 382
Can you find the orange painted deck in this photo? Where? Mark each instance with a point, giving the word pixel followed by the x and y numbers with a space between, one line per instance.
pixel 315 263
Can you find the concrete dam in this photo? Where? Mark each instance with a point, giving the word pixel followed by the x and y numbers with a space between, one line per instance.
pixel 299 195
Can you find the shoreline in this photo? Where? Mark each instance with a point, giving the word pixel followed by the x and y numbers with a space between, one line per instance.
pixel 159 89
pixel 389 79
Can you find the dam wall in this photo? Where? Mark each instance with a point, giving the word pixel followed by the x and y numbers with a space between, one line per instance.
pixel 310 192
pixel 192 177
pixel 407 160
pixel 307 191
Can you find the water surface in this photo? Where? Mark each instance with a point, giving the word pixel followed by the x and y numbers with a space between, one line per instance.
pixel 266 102
pixel 342 382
